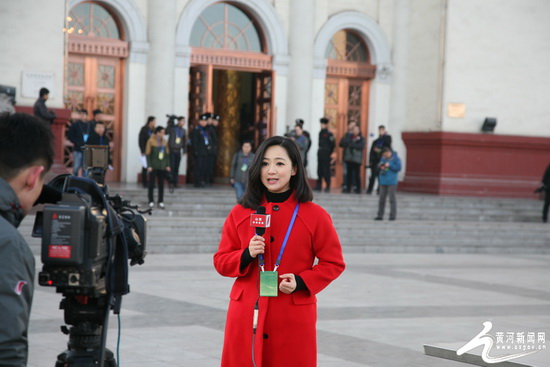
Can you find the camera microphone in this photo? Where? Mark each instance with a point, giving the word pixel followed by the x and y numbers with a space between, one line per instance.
pixel 260 220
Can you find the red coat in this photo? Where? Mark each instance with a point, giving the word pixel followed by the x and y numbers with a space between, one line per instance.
pixel 286 333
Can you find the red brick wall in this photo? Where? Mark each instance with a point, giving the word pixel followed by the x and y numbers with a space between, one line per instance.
pixel 474 164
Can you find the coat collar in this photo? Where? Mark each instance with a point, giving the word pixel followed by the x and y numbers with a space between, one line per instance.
pixel 10 207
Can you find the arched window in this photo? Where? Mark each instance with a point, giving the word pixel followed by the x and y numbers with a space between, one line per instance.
pixel 346 46
pixel 90 19
pixel 224 26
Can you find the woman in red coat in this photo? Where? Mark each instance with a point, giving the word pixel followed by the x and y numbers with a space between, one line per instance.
pixel 277 330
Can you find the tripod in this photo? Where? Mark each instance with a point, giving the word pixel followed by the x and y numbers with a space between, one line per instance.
pixel 86 345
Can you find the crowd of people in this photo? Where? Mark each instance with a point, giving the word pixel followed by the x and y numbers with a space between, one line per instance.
pixel 202 145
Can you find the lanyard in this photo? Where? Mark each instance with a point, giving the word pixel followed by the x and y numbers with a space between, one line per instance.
pixel 278 261
pixel 160 145
pixel 179 132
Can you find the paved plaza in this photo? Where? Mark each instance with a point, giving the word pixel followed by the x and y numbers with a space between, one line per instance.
pixel 380 312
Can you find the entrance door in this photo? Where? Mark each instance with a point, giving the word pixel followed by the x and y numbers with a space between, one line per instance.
pixel 94 82
pixel 346 100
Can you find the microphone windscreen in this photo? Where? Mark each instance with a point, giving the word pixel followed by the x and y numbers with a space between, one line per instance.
pixel 260 230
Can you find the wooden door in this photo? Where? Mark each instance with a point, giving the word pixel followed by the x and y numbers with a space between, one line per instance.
pixel 95 82
pixel 263 107
pixel 346 99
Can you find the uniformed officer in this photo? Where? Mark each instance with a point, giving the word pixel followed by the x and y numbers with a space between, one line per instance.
pixel 327 142
pixel 202 145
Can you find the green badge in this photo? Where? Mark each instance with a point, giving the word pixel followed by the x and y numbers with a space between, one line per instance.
pixel 269 283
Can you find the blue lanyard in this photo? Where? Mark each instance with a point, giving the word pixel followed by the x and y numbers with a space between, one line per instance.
pixel 278 261
pixel 161 145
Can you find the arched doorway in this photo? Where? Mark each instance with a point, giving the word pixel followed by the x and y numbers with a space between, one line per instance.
pixel 348 75
pixel 94 71
pixel 230 75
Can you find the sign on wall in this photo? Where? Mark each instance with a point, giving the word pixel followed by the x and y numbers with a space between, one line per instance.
pixel 32 81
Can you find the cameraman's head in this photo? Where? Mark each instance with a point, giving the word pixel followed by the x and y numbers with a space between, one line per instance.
pixel 26 155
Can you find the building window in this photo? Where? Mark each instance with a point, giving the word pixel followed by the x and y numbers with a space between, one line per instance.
pixel 346 46
pixel 90 19
pixel 223 26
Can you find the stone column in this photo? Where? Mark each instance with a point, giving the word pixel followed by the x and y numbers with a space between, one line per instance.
pixel 301 42
pixel 161 59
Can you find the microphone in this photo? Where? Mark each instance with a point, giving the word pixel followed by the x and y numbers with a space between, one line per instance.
pixel 260 220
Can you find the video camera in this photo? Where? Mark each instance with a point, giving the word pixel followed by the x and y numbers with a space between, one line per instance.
pixel 88 238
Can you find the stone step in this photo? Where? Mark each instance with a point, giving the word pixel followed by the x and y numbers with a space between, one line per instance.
pixel 193 220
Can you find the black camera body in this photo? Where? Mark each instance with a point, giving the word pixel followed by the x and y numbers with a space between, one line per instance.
pixel 88 239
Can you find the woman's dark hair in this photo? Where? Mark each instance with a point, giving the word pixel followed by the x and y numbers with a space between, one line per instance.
pixel 158 129
pixel 149 119
pixel 255 189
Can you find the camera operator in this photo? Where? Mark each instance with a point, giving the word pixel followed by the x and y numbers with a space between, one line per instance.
pixel 26 154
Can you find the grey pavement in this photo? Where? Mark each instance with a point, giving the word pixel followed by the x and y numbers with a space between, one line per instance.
pixel 380 312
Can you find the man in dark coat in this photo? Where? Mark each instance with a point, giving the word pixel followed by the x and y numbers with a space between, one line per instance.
pixel 201 142
pixel 212 127
pixel 144 135
pixel 383 141
pixel 326 147
pixel 176 143
pixel 546 188
pixel 40 109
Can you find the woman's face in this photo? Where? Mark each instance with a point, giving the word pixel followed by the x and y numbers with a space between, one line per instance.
pixel 277 169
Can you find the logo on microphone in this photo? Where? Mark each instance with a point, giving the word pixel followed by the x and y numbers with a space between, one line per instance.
pixel 260 220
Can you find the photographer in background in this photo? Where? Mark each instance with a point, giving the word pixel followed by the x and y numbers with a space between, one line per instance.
pixel 26 155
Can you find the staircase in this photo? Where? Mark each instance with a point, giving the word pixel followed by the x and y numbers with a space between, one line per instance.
pixel 193 219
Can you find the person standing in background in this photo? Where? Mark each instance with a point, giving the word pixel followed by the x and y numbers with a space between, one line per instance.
pixel 239 168
pixel 389 167
pixel 326 147
pixel 212 126
pixel 158 164
pixel 40 109
pixel 354 145
pixel 144 134
pixel 546 188
pixel 201 143
pixel 301 141
pixel 78 134
pixel 375 154
pixel 177 138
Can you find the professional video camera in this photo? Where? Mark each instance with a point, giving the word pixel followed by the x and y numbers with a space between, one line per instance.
pixel 88 238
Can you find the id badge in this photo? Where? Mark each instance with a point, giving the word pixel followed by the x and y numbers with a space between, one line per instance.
pixel 85 136
pixel 244 167
pixel 178 141
pixel 269 283
pixel 161 155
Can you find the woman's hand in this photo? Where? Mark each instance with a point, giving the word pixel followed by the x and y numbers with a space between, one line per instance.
pixel 288 283
pixel 149 169
pixel 256 246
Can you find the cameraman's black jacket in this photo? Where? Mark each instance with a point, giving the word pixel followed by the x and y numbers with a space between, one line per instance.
pixel 16 281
